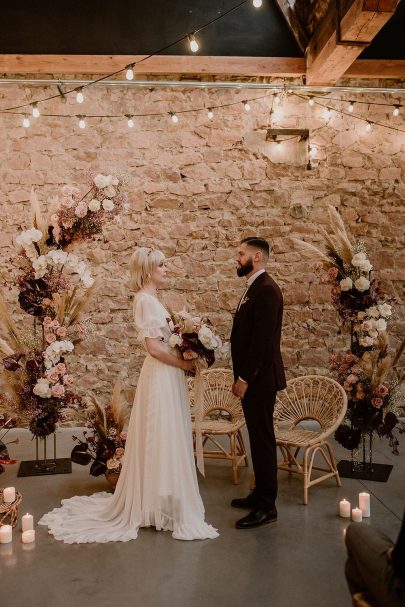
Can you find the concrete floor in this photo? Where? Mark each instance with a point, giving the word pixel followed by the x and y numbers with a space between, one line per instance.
pixel 298 561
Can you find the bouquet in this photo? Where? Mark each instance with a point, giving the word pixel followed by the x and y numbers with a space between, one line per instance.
pixel 55 289
pixel 194 339
pixel 105 446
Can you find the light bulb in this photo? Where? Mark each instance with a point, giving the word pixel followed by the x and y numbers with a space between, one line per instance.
pixel 210 114
pixel 312 151
pixel 369 126
pixel 311 101
pixel 193 43
pixel 35 110
pixel 257 3
pixel 129 73
pixel 395 111
pixel 79 96
pixel 328 113
pixel 246 106
pixel 174 117
pixel 26 122
pixel 351 107
pixel 82 123
pixel 277 99
pixel 130 122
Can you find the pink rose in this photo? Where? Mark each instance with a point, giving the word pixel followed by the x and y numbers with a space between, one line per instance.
pixel 318 267
pixel 352 379
pixel 123 435
pixel 53 377
pixel 58 390
pixel 347 386
pixel 81 210
pixel 189 354
pixel 350 358
pixel 60 368
pixel 119 452
pixel 68 380
pixel 55 324
pixel 47 321
pixel 343 367
pixel 381 390
pixel 50 338
pixel 61 332
pixel 376 402
pixel 333 272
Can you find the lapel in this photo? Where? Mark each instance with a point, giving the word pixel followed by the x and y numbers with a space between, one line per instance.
pixel 248 298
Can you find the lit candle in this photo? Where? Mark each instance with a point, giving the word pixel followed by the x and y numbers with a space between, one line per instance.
pixel 28 536
pixel 344 509
pixel 27 522
pixel 9 495
pixel 6 534
pixel 357 515
pixel 364 503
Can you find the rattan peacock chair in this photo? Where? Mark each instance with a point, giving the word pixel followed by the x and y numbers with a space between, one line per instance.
pixel 222 416
pixel 309 398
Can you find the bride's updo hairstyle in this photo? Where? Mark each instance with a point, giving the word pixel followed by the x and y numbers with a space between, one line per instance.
pixel 142 264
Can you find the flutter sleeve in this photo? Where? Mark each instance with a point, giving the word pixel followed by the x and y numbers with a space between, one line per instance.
pixel 149 316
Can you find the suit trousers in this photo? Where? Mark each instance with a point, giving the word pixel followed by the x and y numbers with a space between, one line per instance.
pixel 258 408
pixel 368 569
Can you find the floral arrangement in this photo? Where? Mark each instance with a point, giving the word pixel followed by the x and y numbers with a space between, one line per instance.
pixel 6 423
pixel 105 446
pixel 55 288
pixel 368 371
pixel 193 338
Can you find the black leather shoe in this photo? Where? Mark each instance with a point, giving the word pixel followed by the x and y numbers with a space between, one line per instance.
pixel 256 518
pixel 248 502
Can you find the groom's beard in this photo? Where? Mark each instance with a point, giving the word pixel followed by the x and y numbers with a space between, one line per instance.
pixel 243 270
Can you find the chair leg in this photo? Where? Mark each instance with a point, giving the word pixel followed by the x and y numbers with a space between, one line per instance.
pixel 232 440
pixel 305 470
pixel 333 462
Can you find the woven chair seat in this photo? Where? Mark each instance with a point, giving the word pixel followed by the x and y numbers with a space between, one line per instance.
pixel 222 416
pixel 311 398
pixel 298 437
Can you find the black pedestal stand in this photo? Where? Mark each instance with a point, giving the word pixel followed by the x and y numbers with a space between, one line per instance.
pixel 45 466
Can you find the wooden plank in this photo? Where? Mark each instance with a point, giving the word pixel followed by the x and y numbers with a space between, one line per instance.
pixel 158 64
pixel 377 68
pixel 293 23
pixel 335 46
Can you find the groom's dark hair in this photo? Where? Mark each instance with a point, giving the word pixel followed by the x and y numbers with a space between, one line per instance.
pixel 258 243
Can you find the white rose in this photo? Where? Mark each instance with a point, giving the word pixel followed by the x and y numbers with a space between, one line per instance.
pixel 101 181
pixel 373 311
pixel 175 340
pixel 346 284
pixel 26 238
pixel 362 284
pixel 108 204
pixel 58 257
pixel 42 388
pixel 205 335
pixel 110 191
pixel 381 325
pixel 87 280
pixel 81 210
pixel 40 266
pixel 68 346
pixel 366 341
pixel 385 310
pixel 365 266
pixel 115 181
pixel 359 259
pixel 94 205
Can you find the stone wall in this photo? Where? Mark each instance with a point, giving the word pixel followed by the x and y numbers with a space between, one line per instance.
pixel 195 189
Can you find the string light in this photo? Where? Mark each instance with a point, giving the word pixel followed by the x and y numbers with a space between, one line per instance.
pixel 82 122
pixel 396 110
pixel 26 122
pixel 130 121
pixel 369 126
pixel 277 99
pixel 312 151
pixel 246 106
pixel 351 107
pixel 80 96
pixel 174 117
pixel 311 101
pixel 130 72
pixel 193 43
pixel 35 110
pixel 257 3
pixel 210 114
pixel 328 113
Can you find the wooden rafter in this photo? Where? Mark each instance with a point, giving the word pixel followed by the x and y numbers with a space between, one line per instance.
pixel 293 23
pixel 342 35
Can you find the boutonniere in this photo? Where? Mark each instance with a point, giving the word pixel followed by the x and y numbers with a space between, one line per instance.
pixel 244 300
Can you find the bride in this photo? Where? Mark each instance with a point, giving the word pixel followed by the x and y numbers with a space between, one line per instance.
pixel 157 485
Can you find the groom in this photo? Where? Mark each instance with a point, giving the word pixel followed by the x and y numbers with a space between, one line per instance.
pixel 259 374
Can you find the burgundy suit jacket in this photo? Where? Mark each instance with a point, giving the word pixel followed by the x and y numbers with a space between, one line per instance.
pixel 256 336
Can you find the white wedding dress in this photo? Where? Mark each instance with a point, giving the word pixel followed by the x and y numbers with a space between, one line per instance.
pixel 158 481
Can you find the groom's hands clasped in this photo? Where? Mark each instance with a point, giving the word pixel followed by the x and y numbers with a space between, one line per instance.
pixel 239 388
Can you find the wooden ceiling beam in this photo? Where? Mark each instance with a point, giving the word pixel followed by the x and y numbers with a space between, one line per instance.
pixel 158 64
pixel 342 35
pixel 293 23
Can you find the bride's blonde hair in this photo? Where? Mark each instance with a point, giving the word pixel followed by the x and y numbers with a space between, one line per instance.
pixel 142 264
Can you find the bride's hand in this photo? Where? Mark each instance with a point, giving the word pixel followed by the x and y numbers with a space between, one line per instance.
pixel 188 365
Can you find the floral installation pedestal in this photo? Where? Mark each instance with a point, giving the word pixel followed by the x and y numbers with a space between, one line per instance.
pixel 45 465
pixel 112 478
pixel 361 465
